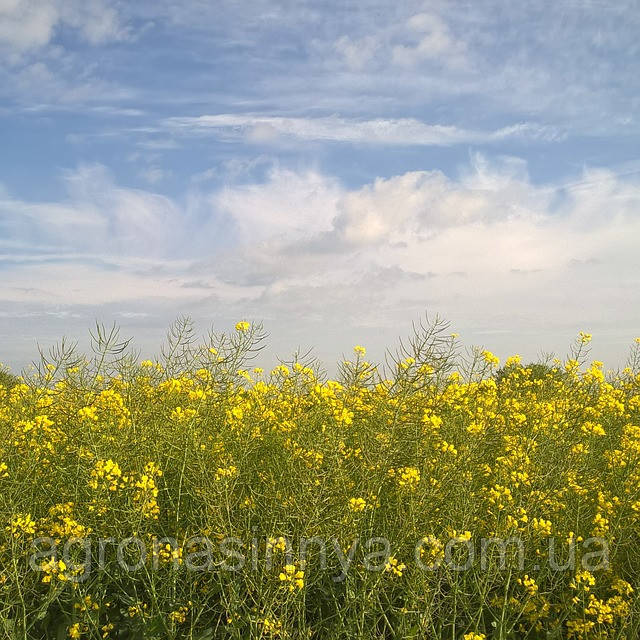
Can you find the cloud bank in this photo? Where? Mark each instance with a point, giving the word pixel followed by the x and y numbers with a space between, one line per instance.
pixel 487 248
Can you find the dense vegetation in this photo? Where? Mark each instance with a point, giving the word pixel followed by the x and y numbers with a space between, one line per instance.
pixel 432 452
pixel 7 380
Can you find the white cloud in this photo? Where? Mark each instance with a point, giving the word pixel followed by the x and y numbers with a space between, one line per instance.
pixel 435 43
pixel 357 53
pixel 407 214
pixel 401 131
pixel 154 175
pixel 98 216
pixel 41 68
pixel 488 249
pixel 96 20
pixel 422 39
pixel 570 67
pixel 289 203
pixel 31 24
pixel 25 24
pixel 86 284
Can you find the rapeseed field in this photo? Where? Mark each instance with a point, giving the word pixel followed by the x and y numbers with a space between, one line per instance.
pixel 441 495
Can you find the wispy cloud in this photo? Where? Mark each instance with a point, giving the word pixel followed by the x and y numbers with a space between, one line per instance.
pixel 402 131
pixel 97 215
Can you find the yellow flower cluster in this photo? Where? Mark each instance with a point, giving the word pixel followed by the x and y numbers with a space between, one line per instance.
pixel 22 524
pixel 357 504
pixel 407 477
pixel 107 473
pixel 147 491
pixel 271 627
pixel 179 615
pixel 292 577
pixel 277 544
pixel 394 566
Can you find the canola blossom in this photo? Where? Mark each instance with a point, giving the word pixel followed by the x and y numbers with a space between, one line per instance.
pixel 439 496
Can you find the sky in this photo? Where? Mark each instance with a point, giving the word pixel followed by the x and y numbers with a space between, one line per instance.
pixel 334 170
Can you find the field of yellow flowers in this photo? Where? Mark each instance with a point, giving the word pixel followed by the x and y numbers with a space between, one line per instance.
pixel 438 496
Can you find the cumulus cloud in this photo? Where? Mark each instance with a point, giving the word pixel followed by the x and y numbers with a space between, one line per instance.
pixel 487 248
pixel 491 218
pixel 289 203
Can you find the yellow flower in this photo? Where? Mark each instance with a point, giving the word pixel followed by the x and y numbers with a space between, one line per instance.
pixel 357 504
pixel 178 616
pixel 106 473
pixel 464 536
pixel 593 428
pixel 432 550
pixel 22 524
pixel 53 569
pixel 542 526
pixel 183 415
pixel 277 544
pixel 490 358
pixel 292 576
pixel 584 580
pixel 622 587
pixel 408 477
pixel 394 566
pixel 139 609
pixel 226 472
pixel 242 450
pixel 242 326
pixel 271 626
pixel 88 413
pixel 529 584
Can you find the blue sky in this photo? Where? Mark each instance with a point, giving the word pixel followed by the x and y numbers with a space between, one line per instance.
pixel 334 170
